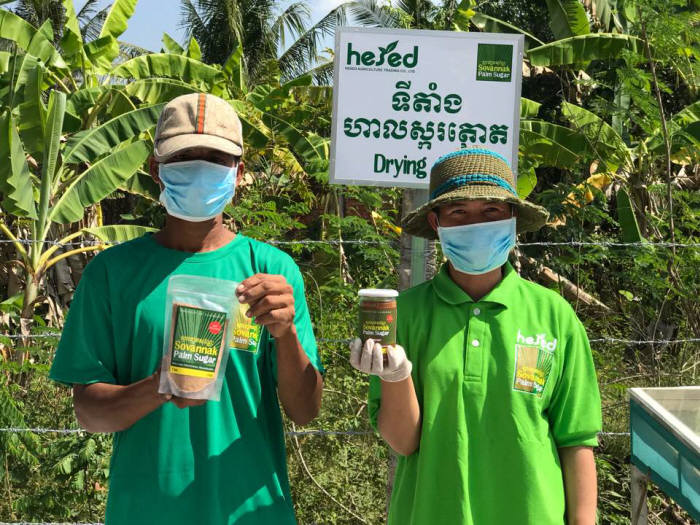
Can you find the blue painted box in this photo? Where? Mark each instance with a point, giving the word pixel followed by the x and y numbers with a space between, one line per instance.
pixel 665 433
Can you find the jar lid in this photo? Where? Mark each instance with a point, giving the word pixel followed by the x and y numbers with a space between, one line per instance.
pixel 378 293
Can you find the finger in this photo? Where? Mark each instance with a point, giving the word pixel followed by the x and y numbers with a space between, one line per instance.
pixel 355 352
pixel 377 359
pixel 178 402
pixel 256 279
pixel 265 287
pixel 395 355
pixel 366 358
pixel 269 303
pixel 183 402
pixel 369 344
pixel 280 316
pixel 250 282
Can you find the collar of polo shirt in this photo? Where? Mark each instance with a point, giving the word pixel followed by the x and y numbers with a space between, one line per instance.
pixel 451 293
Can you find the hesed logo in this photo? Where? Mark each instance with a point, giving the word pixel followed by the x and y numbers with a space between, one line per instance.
pixel 534 358
pixel 383 56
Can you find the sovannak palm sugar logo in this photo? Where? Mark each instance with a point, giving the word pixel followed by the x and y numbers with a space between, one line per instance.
pixel 494 62
pixel 534 356
pixel 386 57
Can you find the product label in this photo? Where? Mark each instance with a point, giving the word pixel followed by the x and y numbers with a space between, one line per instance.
pixel 245 334
pixel 379 325
pixel 532 367
pixel 494 62
pixel 197 341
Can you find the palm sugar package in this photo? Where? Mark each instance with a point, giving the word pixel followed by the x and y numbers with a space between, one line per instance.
pixel 196 336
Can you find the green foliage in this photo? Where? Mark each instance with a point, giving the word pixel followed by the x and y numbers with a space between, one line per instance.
pixel 628 221
pixel 567 18
pixel 581 49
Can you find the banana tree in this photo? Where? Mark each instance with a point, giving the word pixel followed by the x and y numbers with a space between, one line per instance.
pixel 76 171
pixel 58 159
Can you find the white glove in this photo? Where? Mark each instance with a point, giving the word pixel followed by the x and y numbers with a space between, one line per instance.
pixel 370 360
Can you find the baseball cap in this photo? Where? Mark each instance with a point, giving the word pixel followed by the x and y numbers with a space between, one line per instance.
pixel 197 120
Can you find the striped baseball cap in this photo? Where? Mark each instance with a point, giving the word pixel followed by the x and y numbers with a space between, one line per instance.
pixel 197 120
pixel 473 174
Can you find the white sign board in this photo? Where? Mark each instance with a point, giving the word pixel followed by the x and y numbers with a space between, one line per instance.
pixel 402 98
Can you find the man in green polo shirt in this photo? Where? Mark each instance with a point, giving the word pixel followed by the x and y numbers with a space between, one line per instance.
pixel 490 396
pixel 176 460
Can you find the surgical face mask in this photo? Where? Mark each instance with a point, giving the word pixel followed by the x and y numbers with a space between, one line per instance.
pixel 196 190
pixel 478 248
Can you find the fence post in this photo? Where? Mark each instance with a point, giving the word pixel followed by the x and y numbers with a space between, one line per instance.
pixel 417 264
pixel 638 488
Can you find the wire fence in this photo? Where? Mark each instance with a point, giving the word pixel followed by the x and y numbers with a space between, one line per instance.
pixel 54 335
pixel 46 523
pixel 350 242
pixel 299 433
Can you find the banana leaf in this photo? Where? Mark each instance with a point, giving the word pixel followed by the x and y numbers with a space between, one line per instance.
pixel 30 39
pixel 580 49
pixel 90 144
pixel 15 177
pixel 118 233
pixel 567 18
pixel 169 66
pixel 98 181
pixel 627 218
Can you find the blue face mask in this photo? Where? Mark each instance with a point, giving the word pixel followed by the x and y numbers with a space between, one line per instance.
pixel 478 248
pixel 196 190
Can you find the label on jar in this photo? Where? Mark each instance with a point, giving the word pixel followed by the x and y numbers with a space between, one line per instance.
pixel 197 340
pixel 378 322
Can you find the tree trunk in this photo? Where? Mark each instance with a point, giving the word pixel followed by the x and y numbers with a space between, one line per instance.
pixel 31 292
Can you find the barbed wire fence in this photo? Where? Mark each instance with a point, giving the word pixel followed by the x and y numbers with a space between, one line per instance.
pixel 340 341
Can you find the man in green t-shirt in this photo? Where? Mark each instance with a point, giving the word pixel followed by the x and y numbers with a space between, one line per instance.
pixel 490 396
pixel 177 460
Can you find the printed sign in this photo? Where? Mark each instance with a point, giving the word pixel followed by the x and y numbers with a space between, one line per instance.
pixel 402 98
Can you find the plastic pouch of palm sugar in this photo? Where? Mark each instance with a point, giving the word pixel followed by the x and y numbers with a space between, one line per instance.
pixel 196 336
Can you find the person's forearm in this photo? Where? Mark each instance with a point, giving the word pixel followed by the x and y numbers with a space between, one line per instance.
pixel 399 418
pixel 580 484
pixel 103 407
pixel 299 384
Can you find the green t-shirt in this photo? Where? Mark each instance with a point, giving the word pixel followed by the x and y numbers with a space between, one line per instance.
pixel 501 383
pixel 222 462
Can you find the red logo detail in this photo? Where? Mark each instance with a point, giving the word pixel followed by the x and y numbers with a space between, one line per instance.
pixel 389 318
pixel 215 327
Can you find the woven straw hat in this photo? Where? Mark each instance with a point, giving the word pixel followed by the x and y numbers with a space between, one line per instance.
pixel 471 174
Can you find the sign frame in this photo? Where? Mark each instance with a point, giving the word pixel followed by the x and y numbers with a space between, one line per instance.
pixel 517 40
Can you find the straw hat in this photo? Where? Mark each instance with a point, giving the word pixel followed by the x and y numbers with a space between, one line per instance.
pixel 471 174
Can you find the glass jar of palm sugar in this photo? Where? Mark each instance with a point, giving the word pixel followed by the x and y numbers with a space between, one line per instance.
pixel 378 316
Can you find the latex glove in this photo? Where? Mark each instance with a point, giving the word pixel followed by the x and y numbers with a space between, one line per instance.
pixel 368 358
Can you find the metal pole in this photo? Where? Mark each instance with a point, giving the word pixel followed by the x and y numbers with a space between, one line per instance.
pixel 638 488
pixel 416 266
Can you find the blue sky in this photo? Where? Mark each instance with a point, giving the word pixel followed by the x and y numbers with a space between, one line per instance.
pixel 154 17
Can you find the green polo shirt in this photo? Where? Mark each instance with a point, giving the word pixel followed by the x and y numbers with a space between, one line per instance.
pixel 220 463
pixel 501 383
